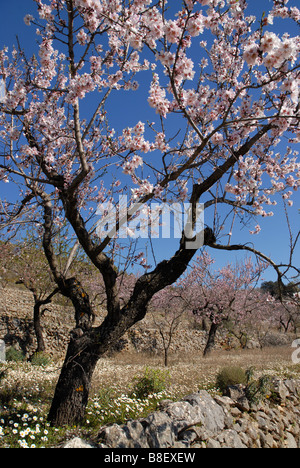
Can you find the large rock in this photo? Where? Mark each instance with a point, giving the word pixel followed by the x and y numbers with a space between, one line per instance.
pixel 130 435
pixel 211 414
pixel 162 429
pixel 279 390
pixel 231 439
pixel 78 443
pixel 159 430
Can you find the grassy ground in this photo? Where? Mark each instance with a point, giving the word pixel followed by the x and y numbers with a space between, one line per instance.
pixel 26 390
pixel 190 372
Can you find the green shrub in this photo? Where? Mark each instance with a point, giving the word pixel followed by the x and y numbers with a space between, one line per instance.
pixel 40 359
pixel 9 393
pixel 258 390
pixel 153 381
pixel 14 355
pixel 229 376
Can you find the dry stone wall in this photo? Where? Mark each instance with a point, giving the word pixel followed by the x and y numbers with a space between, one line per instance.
pixel 203 421
pixel 16 328
pixel 16 322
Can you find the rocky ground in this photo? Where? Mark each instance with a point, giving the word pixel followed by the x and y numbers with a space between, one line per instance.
pixel 203 421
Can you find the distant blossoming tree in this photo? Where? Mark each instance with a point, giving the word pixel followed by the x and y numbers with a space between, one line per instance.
pixel 223 92
pixel 228 294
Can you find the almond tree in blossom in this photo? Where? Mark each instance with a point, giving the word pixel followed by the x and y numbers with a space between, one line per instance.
pixel 168 309
pixel 223 92
pixel 37 280
pixel 226 294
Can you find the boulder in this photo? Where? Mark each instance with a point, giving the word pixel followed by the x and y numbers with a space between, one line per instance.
pixel 159 430
pixel 78 443
pixel 211 414
pixel 130 435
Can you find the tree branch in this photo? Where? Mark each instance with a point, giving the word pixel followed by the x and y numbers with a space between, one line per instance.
pixel 249 249
pixel 99 259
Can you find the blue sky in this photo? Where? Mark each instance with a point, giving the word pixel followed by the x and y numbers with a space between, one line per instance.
pixel 274 238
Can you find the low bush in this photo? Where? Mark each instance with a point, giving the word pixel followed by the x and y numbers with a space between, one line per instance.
pixel 41 359
pixel 229 376
pixel 14 355
pixel 153 381
pixel 258 390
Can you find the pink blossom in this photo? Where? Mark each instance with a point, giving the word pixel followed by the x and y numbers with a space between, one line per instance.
pixel 269 42
pixel 80 86
pixel 82 37
pixel 45 12
pixel 146 188
pixel 196 25
pixel 217 139
pixel 139 129
pixel 251 55
pixel 160 142
pixel 157 97
pixel 158 191
pixel 257 230
pixel 136 161
pixel 28 19
pixel 184 68
pixel 205 2
pixel 166 58
pixel 173 32
pixel 295 13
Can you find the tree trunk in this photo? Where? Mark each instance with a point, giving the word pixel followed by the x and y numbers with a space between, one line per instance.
pixel 211 339
pixel 41 347
pixel 73 387
pixel 72 390
pixel 88 344
pixel 166 357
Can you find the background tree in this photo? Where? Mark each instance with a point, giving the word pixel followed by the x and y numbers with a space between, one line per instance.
pixel 219 110
pixel 285 290
pixel 224 295
pixel 168 308
pixel 24 263
pixel 31 269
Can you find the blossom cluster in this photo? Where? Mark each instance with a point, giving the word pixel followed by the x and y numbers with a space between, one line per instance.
pixel 220 92
pixel 277 51
pixel 249 177
pixel 157 97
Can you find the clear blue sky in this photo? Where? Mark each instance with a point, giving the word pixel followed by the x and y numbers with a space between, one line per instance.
pixel 274 238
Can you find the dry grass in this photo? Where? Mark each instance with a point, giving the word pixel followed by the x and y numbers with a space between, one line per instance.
pixel 27 390
pixel 189 373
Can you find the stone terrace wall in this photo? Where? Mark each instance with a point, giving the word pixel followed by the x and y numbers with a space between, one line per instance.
pixel 16 322
pixel 16 328
pixel 201 421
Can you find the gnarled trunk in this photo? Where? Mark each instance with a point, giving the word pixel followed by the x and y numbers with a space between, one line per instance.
pixel 211 339
pixel 85 349
pixel 73 387
pixel 41 347
pixel 88 344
